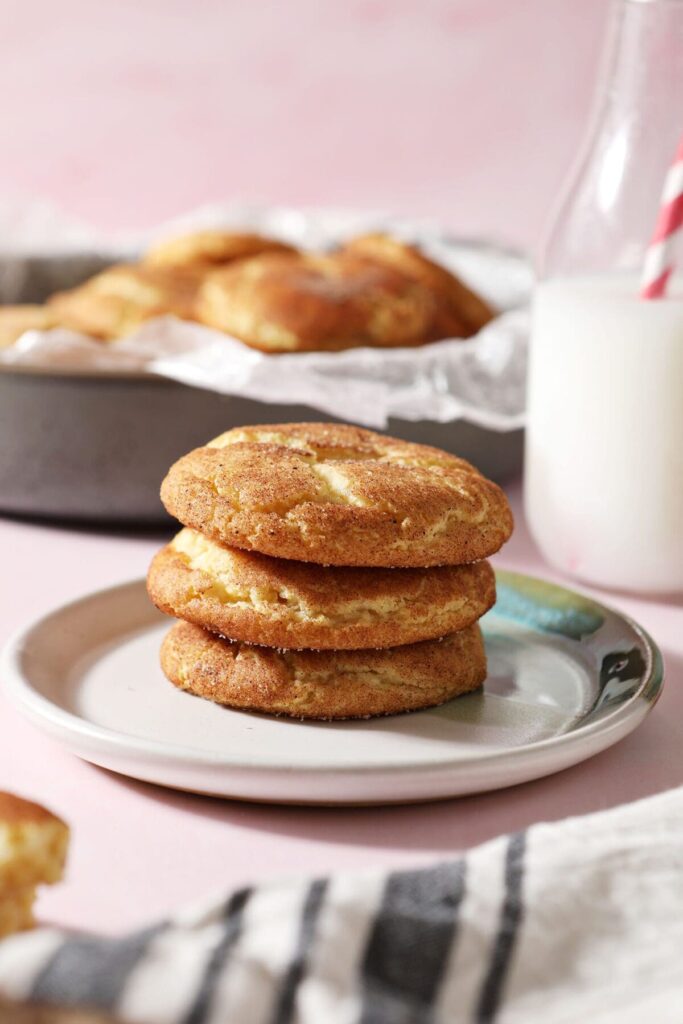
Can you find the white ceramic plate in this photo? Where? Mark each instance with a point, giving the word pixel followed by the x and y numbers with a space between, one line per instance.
pixel 567 678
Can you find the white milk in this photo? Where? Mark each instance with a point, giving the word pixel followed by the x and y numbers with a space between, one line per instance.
pixel 604 456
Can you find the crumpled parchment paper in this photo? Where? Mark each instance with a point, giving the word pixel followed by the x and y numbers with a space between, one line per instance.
pixel 481 380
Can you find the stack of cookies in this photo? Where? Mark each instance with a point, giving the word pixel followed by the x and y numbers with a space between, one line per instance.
pixel 326 571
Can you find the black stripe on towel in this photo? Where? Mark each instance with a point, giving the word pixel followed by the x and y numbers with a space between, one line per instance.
pixel 410 943
pixel 91 972
pixel 233 917
pixel 511 916
pixel 309 919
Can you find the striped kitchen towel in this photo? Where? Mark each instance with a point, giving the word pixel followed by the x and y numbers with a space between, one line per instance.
pixel 572 922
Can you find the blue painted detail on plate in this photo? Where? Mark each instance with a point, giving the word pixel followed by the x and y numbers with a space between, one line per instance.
pixel 535 607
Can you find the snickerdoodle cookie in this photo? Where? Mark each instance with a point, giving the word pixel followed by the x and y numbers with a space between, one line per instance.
pixel 211 249
pixel 33 844
pixel 118 300
pixel 323 684
pixel 306 302
pixel 262 600
pixel 461 312
pixel 335 494
pixel 15 320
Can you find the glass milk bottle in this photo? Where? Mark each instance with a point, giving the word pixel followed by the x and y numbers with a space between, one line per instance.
pixel 604 454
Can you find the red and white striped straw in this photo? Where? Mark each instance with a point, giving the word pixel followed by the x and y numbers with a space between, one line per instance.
pixel 659 258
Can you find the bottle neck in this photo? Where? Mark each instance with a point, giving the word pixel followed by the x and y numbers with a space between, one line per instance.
pixel 643 73
pixel 608 209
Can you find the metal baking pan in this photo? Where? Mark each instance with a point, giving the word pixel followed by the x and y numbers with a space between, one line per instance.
pixel 94 446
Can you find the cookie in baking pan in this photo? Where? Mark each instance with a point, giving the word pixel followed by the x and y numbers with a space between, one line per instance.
pixel 262 600
pixel 298 303
pixel 461 311
pixel 323 684
pixel 118 300
pixel 335 494
pixel 16 320
pixel 211 249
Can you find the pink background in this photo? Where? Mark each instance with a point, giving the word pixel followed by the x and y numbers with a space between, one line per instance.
pixel 125 113
pixel 129 112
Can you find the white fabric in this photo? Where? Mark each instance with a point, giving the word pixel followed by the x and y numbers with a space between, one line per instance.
pixel 477 928
pixel 330 990
pixel 597 935
pixel 603 929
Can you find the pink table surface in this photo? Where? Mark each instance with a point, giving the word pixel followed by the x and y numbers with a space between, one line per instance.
pixel 139 850
pixel 128 113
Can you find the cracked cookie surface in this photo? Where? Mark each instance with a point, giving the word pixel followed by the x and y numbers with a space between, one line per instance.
pixel 118 300
pixel 262 600
pixel 318 302
pixel 338 495
pixel 323 684
pixel 33 845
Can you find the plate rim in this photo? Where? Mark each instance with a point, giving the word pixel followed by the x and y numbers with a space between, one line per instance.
pixel 57 721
